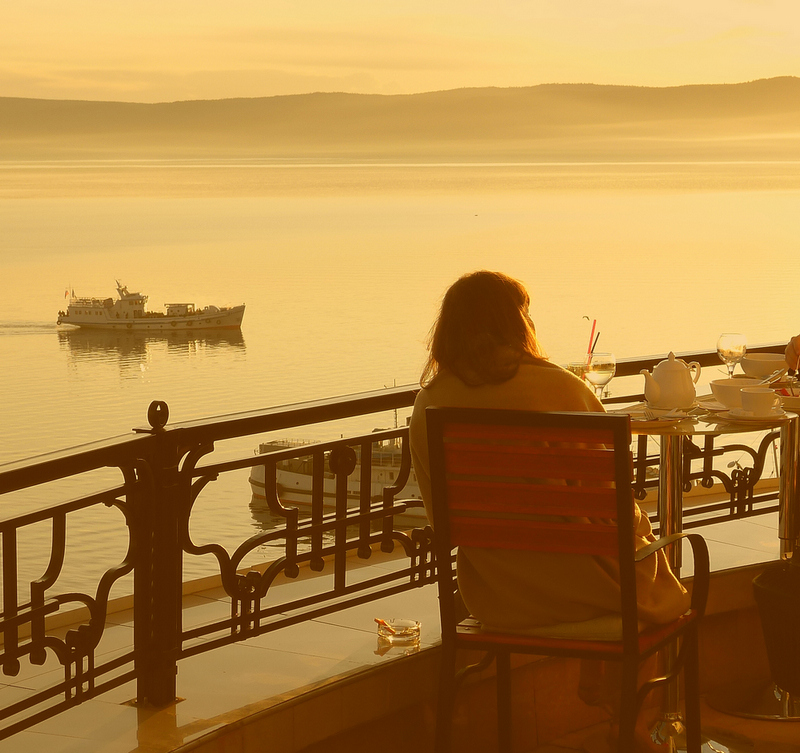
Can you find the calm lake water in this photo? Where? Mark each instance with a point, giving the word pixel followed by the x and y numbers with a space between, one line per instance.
pixel 342 269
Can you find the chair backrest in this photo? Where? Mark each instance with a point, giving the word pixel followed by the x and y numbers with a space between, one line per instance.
pixel 525 480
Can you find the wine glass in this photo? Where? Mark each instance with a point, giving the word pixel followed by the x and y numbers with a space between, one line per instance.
pixel 731 348
pixel 600 368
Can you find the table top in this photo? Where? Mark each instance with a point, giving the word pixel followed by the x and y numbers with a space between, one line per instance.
pixel 699 421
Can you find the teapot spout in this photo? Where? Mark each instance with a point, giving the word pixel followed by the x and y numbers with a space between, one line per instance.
pixel 652 391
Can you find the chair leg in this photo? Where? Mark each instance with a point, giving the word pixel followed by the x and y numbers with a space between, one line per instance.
pixel 504 701
pixel 446 698
pixel 628 707
pixel 691 674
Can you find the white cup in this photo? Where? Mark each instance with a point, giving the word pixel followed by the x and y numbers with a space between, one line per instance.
pixel 760 401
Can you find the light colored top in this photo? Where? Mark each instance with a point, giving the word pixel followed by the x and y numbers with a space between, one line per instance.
pixel 518 590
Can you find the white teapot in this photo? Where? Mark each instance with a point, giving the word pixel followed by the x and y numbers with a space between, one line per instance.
pixel 671 385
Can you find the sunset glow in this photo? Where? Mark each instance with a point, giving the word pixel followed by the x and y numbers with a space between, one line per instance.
pixel 154 51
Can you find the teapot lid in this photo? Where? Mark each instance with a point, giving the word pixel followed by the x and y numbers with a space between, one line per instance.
pixel 671 363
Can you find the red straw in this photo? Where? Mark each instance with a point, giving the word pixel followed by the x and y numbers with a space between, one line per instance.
pixel 591 337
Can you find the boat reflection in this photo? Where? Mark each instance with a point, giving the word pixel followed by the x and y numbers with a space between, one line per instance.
pixel 131 347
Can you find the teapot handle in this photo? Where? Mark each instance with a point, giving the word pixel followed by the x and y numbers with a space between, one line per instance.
pixel 696 367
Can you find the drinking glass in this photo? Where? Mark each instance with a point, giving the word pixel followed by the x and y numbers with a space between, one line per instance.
pixel 600 368
pixel 731 348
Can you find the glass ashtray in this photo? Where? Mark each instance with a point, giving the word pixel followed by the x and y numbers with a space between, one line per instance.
pixel 398 631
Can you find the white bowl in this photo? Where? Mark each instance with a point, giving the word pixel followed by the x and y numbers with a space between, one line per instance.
pixel 762 364
pixel 728 391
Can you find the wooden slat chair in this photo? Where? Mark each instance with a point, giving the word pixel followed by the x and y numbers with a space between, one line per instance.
pixel 498 479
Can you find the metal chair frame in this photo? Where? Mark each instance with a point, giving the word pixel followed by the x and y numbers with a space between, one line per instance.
pixel 488 491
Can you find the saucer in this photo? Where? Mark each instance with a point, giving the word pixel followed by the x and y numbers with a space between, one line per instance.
pixel 737 414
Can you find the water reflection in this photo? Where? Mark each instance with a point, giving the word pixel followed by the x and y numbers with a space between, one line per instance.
pixel 132 348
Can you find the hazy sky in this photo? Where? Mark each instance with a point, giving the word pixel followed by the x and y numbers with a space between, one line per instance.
pixel 165 50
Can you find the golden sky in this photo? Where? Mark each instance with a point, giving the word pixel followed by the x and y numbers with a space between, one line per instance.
pixel 166 50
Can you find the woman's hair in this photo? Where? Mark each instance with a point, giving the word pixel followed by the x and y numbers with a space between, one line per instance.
pixel 483 330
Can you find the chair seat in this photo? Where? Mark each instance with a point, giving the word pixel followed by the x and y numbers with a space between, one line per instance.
pixel 602 635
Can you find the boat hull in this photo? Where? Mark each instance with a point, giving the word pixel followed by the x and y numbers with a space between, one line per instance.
pixel 230 318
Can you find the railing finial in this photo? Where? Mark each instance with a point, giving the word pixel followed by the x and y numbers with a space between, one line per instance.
pixel 158 414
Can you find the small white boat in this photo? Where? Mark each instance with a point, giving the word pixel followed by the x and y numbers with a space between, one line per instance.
pixel 294 480
pixel 128 313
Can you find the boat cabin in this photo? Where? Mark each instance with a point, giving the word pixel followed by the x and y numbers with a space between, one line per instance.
pixel 180 309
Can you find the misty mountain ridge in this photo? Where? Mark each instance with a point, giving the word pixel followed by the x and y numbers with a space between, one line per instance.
pixel 755 120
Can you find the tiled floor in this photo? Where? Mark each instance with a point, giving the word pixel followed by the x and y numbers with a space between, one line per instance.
pixel 737 543
pixel 237 680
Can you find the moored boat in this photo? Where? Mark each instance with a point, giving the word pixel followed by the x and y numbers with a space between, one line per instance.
pixel 128 313
pixel 294 480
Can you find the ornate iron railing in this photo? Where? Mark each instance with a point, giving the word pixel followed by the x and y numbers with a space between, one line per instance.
pixel 162 471
pixel 161 478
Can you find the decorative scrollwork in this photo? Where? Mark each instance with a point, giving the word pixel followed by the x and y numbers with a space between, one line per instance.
pixel 704 466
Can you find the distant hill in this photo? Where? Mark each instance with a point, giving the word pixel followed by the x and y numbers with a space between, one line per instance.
pixel 755 120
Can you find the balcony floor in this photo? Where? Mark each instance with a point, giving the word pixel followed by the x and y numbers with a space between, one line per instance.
pixel 227 685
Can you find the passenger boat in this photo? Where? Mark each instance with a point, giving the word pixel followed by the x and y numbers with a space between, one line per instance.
pixel 294 479
pixel 128 314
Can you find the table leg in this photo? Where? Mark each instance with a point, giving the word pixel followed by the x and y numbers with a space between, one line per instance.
pixel 669 730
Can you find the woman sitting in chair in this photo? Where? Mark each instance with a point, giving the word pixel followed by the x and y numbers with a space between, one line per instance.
pixel 484 353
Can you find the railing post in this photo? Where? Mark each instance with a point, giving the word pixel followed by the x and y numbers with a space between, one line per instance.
pixel 789 516
pixel 157 601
